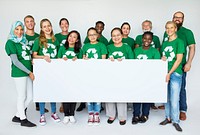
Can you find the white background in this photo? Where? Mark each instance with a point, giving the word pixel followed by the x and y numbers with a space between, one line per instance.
pixel 83 14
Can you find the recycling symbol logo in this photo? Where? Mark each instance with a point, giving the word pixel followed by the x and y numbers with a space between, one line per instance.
pixel 25 49
pixel 92 53
pixel 117 54
pixel 142 57
pixel 168 52
pixel 63 42
pixel 69 54
pixel 30 43
pixel 153 44
pixel 51 50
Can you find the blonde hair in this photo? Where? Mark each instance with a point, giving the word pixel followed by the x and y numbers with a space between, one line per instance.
pixel 42 38
pixel 171 22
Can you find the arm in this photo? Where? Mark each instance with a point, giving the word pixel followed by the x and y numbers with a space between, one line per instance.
pixel 18 64
pixel 174 67
pixel 36 56
pixel 190 58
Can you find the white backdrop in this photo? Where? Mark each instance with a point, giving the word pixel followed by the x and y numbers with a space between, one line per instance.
pixel 83 14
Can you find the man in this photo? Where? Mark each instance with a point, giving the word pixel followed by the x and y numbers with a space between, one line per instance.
pixel 99 27
pixel 147 26
pixel 29 23
pixel 187 36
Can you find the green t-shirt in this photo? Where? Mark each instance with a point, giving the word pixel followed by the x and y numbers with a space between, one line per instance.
pixel 187 36
pixel 61 38
pixel 23 55
pixel 50 51
pixel 170 49
pixel 129 41
pixel 31 39
pixel 123 52
pixel 101 39
pixel 94 51
pixel 69 53
pixel 155 42
pixel 142 54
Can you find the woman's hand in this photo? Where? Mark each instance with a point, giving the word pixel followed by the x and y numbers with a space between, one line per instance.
pixel 164 58
pixel 31 75
pixel 168 77
pixel 119 59
pixel 111 59
pixel 65 58
pixel 47 58
pixel 75 58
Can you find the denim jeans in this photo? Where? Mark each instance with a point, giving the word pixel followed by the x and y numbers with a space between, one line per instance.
pixel 172 105
pixel 42 106
pixel 137 108
pixel 94 107
pixel 183 99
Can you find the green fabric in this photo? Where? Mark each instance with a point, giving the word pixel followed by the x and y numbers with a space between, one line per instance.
pixel 61 38
pixel 69 53
pixel 51 51
pixel 155 42
pixel 101 39
pixel 94 51
pixel 151 53
pixel 124 52
pixel 23 55
pixel 170 49
pixel 31 39
pixel 187 36
pixel 129 41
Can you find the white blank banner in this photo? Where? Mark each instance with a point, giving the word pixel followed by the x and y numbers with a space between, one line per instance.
pixel 100 81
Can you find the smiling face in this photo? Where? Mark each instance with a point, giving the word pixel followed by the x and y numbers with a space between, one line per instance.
pixel 29 23
pixel 64 26
pixel 178 18
pixel 18 31
pixel 116 36
pixel 99 27
pixel 146 26
pixel 92 35
pixel 147 39
pixel 46 28
pixel 171 29
pixel 125 30
pixel 72 39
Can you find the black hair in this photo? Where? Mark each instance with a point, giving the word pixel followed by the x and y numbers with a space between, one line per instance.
pixel 148 33
pixel 91 28
pixel 62 19
pixel 100 23
pixel 78 44
pixel 126 23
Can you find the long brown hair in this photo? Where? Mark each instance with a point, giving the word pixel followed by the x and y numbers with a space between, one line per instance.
pixel 42 38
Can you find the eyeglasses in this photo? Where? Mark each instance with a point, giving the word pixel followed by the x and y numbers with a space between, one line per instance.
pixel 176 17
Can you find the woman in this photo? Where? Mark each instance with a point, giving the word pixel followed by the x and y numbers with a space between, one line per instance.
pixel 118 51
pixel 19 51
pixel 173 50
pixel 45 47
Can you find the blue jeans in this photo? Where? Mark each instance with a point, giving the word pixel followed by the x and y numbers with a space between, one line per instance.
pixel 172 105
pixel 137 108
pixel 42 106
pixel 183 99
pixel 94 107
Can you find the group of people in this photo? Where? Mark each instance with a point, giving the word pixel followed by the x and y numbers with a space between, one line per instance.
pixel 22 46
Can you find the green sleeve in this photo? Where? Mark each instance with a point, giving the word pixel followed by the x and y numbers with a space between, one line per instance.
pixel 86 40
pixel 110 42
pixel 156 42
pixel 165 37
pixel 180 47
pixel 130 52
pixel 157 54
pixel 10 48
pixel 138 40
pixel 190 38
pixel 80 54
pixel 36 46
pixel 60 52
pixel 103 49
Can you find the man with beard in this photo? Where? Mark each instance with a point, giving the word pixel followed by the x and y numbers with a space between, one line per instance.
pixel 187 36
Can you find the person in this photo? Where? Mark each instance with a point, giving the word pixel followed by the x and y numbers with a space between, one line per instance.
pixel 64 25
pixel 172 51
pixel 45 47
pixel 70 50
pixel 16 47
pixel 99 26
pixel 61 37
pixel 31 35
pixel 146 51
pixel 119 51
pixel 187 36
pixel 94 50
pixel 125 27
pixel 147 26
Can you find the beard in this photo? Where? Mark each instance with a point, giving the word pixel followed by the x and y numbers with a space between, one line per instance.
pixel 179 25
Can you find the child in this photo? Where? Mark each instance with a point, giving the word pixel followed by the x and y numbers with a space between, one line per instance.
pixel 143 53
pixel 45 47
pixel 118 51
pixel 70 50
pixel 94 50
